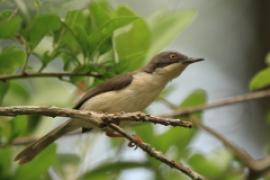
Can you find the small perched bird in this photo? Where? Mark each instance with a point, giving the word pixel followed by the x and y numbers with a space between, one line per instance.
pixel 125 93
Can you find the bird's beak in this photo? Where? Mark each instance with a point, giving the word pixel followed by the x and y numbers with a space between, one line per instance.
pixel 192 60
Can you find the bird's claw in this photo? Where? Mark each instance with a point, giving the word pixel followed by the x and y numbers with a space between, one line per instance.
pixel 137 140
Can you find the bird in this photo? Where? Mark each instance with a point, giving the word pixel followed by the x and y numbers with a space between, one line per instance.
pixel 130 92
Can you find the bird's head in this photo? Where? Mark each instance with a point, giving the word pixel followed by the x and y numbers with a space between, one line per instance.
pixel 169 64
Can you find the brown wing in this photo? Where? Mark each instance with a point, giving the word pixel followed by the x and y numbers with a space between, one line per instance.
pixel 116 83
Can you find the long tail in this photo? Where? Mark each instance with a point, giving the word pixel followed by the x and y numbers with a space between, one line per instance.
pixel 35 148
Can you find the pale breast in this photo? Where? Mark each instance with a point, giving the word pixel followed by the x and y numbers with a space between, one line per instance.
pixel 143 90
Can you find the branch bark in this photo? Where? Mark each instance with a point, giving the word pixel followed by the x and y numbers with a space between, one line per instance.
pixel 157 154
pixel 220 103
pixel 101 120
pixel 47 75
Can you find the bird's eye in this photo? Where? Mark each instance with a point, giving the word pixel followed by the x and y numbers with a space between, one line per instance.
pixel 172 56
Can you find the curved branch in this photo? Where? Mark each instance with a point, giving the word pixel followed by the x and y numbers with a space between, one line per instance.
pixel 220 103
pixel 47 75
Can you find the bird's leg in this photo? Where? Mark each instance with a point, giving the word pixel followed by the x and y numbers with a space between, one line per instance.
pixel 113 134
pixel 137 140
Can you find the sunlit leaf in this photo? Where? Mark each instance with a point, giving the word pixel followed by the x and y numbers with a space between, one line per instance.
pixel 131 44
pixel 9 24
pixel 39 166
pixel 101 12
pixel 166 26
pixel 75 32
pixel 40 26
pixel 106 31
pixel 10 59
pixel 260 80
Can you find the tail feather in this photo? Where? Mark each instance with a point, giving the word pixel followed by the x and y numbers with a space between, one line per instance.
pixel 35 148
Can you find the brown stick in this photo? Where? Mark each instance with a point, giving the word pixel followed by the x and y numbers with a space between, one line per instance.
pixel 157 155
pixel 220 103
pixel 47 75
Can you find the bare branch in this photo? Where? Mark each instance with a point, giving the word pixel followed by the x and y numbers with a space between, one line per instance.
pixel 142 117
pixel 220 103
pixel 47 75
pixel 158 155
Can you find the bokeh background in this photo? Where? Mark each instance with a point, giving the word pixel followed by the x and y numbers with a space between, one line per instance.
pixel 232 36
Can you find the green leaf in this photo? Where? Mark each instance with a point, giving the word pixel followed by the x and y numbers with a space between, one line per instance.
pixel 131 44
pixel 146 132
pixel 212 166
pixel 5 163
pixel 108 170
pixel 40 26
pixel 3 90
pixel 74 36
pixel 101 12
pixel 39 166
pixel 205 166
pixel 19 126
pixel 178 137
pixel 197 97
pixel 125 11
pixel 166 26
pixel 97 38
pixel 11 58
pixel 10 25
pixel 260 80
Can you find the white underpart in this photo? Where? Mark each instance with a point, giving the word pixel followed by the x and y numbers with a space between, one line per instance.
pixel 142 91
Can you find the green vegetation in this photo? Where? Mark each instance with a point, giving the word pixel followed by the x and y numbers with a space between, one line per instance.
pixel 107 41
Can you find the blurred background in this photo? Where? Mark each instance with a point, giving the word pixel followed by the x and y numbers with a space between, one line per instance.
pixel 233 37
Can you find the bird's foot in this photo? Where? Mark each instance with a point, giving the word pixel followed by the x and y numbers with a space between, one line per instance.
pixel 113 134
pixel 137 140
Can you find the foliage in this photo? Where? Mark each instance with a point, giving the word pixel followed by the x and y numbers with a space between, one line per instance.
pixel 98 38
pixel 108 41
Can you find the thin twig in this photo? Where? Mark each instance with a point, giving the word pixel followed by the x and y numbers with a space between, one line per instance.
pixel 220 103
pixel 47 75
pixel 158 155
